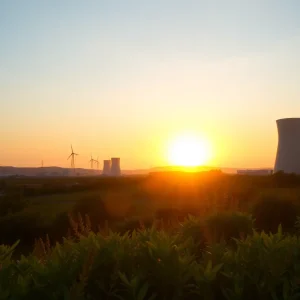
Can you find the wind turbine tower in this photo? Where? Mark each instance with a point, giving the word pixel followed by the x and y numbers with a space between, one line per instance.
pixel 92 162
pixel 97 162
pixel 72 156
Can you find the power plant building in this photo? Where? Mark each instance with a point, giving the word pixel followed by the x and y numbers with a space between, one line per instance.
pixel 261 172
pixel 288 150
pixel 106 167
pixel 115 166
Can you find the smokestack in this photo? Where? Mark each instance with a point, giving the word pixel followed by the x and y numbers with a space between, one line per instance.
pixel 288 150
pixel 115 166
pixel 106 167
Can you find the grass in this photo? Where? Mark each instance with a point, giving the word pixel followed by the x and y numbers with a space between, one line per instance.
pixel 72 197
pixel 49 206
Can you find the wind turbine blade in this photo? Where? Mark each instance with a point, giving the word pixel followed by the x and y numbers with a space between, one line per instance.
pixel 69 156
pixel 72 148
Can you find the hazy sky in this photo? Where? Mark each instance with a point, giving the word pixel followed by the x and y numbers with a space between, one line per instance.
pixel 119 77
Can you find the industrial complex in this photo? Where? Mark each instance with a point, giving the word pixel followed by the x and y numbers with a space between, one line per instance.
pixel 111 167
pixel 288 150
pixel 287 159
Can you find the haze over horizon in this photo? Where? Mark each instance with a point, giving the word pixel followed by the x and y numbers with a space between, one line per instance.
pixel 120 78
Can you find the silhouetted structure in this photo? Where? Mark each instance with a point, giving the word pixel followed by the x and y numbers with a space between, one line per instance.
pixel 288 151
pixel 106 167
pixel 115 166
pixel 72 155
pixel 261 172
pixel 97 162
pixel 92 162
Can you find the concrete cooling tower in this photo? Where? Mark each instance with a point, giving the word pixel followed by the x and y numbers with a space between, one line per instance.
pixel 288 151
pixel 106 167
pixel 115 167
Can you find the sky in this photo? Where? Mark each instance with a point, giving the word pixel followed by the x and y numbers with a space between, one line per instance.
pixel 120 78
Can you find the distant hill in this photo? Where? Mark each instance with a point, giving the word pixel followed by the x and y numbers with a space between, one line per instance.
pixel 175 168
pixel 58 171
pixel 45 171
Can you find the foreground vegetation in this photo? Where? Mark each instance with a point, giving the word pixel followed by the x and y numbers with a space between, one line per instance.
pixel 155 263
pixel 168 236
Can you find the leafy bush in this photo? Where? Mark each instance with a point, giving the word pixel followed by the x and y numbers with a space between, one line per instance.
pixel 263 267
pixel 134 223
pixel 192 227
pixel 152 264
pixel 228 225
pixel 271 211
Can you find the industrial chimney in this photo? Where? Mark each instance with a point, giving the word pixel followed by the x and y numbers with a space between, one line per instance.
pixel 106 167
pixel 288 151
pixel 115 166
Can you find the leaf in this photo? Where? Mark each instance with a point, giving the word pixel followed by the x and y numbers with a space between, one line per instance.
pixel 208 267
pixel 124 279
pixel 217 268
pixel 143 291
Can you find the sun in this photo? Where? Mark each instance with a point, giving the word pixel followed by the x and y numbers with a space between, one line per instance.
pixel 188 150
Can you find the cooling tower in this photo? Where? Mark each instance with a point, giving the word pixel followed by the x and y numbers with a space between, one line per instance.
pixel 115 167
pixel 288 151
pixel 106 167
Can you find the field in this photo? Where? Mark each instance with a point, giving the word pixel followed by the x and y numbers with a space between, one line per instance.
pixel 163 236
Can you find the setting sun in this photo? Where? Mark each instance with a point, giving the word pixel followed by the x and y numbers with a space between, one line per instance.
pixel 189 151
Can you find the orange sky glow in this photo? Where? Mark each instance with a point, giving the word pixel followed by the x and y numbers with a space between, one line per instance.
pixel 117 79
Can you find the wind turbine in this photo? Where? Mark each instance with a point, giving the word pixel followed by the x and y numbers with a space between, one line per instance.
pixel 92 162
pixel 72 156
pixel 97 162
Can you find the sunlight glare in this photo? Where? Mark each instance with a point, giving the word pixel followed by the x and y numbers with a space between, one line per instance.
pixel 188 150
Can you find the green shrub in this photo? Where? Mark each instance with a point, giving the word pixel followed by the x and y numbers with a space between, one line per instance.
pixel 134 223
pixel 270 211
pixel 228 225
pixel 152 264
pixel 192 227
